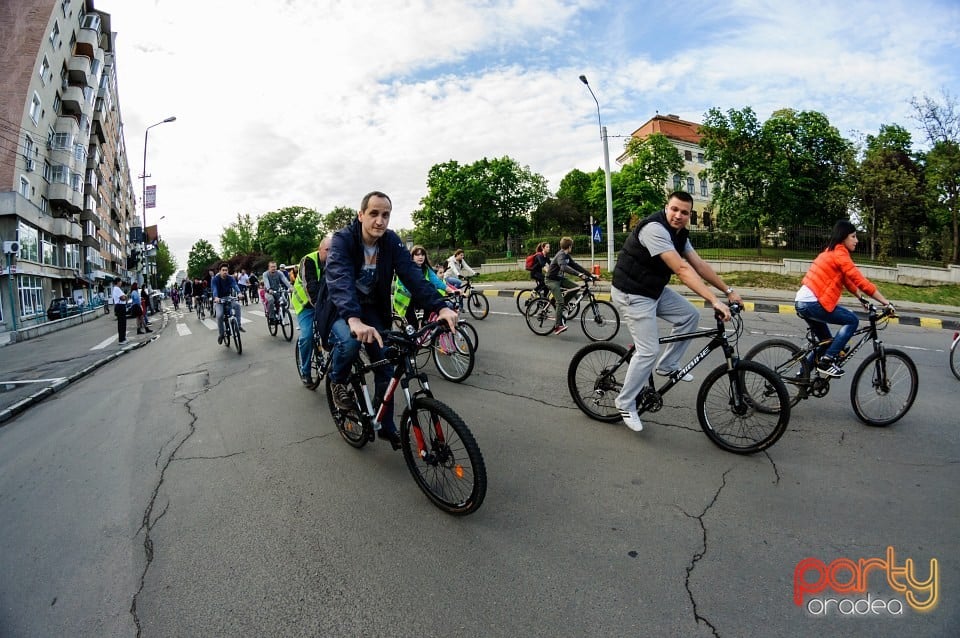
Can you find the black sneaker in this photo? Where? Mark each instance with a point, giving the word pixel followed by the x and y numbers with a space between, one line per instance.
pixel 391 435
pixel 342 396
pixel 829 367
pixel 308 382
pixel 241 329
pixel 220 340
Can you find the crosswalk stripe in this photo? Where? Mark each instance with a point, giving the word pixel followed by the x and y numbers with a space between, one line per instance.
pixel 103 344
pixel 183 330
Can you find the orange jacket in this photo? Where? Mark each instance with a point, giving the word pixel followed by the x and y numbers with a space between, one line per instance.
pixel 831 270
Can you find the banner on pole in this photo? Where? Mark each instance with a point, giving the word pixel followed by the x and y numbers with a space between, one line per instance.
pixel 150 198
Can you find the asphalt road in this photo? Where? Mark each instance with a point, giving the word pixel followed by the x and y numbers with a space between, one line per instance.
pixel 184 490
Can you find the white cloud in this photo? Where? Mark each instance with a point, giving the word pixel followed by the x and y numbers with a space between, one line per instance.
pixel 315 103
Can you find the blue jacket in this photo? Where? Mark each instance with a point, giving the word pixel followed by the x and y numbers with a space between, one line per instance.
pixel 344 262
pixel 223 287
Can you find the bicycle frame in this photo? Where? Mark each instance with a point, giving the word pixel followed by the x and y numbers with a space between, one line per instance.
pixel 868 332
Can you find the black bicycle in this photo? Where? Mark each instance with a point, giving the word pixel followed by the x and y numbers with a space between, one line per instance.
pixel 742 406
pixel 453 353
pixel 884 385
pixel 955 356
pixel 474 300
pixel 231 324
pixel 281 317
pixel 524 296
pixel 319 360
pixel 201 308
pixel 599 320
pixel 438 447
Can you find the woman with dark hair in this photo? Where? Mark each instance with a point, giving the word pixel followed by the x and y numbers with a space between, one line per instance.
pixel 402 299
pixel 819 295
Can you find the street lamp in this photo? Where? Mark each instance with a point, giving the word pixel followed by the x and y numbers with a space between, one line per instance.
pixel 606 170
pixel 144 176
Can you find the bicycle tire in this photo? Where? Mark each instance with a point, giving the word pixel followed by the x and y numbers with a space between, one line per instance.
pixel 780 356
pixel 350 427
pixel 478 306
pixel 955 357
pixel 450 470
pixel 471 332
pixel 453 355
pixel 523 297
pixel 886 394
pixel 752 424
pixel 286 324
pixel 272 327
pixel 600 321
pixel 235 328
pixel 540 316
pixel 296 356
pixel 592 381
pixel 226 338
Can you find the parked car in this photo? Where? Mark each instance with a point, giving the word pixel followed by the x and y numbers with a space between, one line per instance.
pixel 61 307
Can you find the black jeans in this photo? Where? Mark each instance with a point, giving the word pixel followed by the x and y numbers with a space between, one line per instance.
pixel 120 310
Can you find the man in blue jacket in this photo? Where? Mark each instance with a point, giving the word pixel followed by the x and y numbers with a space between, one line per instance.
pixel 362 261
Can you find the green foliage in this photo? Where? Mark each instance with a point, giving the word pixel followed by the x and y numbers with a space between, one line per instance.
pixel 289 233
pixel 238 237
pixel 474 257
pixel 557 215
pixel 166 264
pixel 201 257
pixel 486 199
pixel 339 217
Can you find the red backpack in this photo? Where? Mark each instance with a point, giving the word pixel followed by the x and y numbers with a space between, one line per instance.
pixel 531 260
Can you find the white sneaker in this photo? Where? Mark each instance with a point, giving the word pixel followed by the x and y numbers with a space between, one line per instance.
pixel 666 373
pixel 632 420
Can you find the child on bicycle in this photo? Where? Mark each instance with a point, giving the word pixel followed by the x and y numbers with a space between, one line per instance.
pixel 819 295
pixel 555 280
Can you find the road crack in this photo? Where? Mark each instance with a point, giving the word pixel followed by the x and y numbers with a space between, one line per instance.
pixel 699 555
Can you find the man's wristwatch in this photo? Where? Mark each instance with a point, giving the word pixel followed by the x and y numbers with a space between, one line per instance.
pixel 728 291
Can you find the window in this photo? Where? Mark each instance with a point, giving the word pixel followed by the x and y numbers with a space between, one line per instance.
pixel 24 189
pixel 47 252
pixel 700 159
pixel 706 219
pixel 61 141
pixel 63 7
pixel 44 204
pixel 688 155
pixel 55 34
pixel 76 182
pixel 704 191
pixel 80 153
pixel 47 170
pixel 35 108
pixel 31 295
pixel 677 180
pixel 28 242
pixel 44 69
pixel 693 218
pixel 690 185
pixel 29 150
pixel 60 174
pixel 57 103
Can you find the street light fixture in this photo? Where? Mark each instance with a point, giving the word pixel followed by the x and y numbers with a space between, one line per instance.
pixel 144 176
pixel 609 185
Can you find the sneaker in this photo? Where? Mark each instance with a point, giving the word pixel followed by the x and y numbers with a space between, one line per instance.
pixel 122 343
pixel 308 382
pixel 561 328
pixel 342 396
pixel 829 367
pixel 666 373
pixel 148 329
pixel 391 434
pixel 632 420
pixel 220 340
pixel 241 329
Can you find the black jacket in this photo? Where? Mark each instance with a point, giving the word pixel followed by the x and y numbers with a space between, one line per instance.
pixel 637 271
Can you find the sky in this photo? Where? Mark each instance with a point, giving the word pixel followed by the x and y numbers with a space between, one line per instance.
pixel 316 102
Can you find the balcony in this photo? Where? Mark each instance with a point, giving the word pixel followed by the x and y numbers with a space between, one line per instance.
pixel 73 99
pixel 88 40
pixel 90 242
pixel 78 68
pixel 67 229
pixel 64 195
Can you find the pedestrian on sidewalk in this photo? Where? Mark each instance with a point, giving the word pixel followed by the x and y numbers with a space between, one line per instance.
pixel 120 310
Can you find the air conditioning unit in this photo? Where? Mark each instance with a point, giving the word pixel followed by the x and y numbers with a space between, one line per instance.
pixel 11 247
pixel 29 165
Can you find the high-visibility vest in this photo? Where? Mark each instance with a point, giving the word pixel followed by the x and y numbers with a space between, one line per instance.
pixel 300 299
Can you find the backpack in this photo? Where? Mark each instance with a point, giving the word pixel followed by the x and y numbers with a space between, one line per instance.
pixel 531 260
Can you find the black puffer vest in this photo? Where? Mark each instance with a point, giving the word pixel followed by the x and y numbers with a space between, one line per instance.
pixel 639 273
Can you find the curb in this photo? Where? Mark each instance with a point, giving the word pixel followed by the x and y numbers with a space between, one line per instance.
pixel 770 306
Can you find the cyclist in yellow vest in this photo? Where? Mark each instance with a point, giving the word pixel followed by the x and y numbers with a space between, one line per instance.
pixel 303 299
pixel 401 296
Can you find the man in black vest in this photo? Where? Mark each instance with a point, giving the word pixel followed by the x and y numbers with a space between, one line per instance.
pixel 657 248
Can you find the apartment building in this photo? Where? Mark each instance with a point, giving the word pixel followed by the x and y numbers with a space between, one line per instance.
pixel 67 202
pixel 686 138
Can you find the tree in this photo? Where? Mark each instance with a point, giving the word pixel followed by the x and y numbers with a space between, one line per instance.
pixel 166 264
pixel 940 121
pixel 484 200
pixel 557 216
pixel 201 257
pixel 643 180
pixel 289 233
pixel 573 189
pixel 239 237
pixel 339 217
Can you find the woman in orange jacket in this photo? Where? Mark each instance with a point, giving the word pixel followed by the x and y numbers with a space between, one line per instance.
pixel 819 295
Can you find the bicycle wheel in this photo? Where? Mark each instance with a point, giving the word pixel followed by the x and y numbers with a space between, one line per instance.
pixel 453 354
pixel 478 306
pixel 594 379
pixel 443 456
pixel 540 316
pixel 884 387
pixel 523 297
pixel 781 356
pixel 471 332
pixel 235 329
pixel 226 338
pixel 286 324
pixel 600 321
pixel 955 357
pixel 272 327
pixel 736 411
pixel 349 424
pixel 296 355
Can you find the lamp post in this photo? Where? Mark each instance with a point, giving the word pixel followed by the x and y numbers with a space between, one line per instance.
pixel 606 170
pixel 144 176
